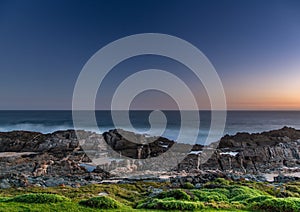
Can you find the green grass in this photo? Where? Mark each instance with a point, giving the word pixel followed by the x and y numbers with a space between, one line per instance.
pixel 210 196
pixel 177 194
pixel 218 195
pixel 171 204
pixel 290 204
pixel 101 202
pixel 38 198
pixel 188 185
pixel 66 206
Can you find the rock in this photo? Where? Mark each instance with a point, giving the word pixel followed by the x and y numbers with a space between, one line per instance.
pixel 102 194
pixel 101 171
pixel 4 183
pixel 55 159
pixel 51 182
pixel 136 146
pixel 252 153
pixel 154 191
pixel 284 179
pixel 198 185
pixel 189 179
pixel 44 159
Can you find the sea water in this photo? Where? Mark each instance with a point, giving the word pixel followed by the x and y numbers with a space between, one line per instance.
pixel 236 121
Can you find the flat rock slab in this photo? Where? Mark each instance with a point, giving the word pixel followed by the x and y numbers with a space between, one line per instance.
pixel 15 154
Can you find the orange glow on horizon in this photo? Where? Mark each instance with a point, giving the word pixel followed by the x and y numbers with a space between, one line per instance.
pixel 271 101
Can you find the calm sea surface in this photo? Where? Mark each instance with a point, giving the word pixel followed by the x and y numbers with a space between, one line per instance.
pixel 237 121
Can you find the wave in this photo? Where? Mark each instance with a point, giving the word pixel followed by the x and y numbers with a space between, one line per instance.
pixel 50 128
pixel 51 121
pixel 42 128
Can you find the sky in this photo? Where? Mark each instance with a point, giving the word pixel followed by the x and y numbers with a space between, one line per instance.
pixel 253 45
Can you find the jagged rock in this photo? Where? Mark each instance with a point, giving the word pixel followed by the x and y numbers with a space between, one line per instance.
pixel 136 146
pixel 30 158
pixel 104 173
pixel 253 153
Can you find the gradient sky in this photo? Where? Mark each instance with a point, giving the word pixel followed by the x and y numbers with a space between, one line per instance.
pixel 253 45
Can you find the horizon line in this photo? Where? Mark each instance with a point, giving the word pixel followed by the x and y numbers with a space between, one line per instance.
pixel 254 110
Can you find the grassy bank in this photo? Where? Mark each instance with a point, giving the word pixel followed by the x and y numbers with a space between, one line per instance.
pixel 219 195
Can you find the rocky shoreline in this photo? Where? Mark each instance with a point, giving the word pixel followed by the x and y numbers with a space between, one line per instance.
pixel 58 159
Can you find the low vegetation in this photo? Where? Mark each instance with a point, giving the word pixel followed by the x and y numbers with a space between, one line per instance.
pixel 38 198
pixel 220 195
pixel 290 204
pixel 102 202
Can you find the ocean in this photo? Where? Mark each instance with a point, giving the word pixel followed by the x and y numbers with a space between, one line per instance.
pixel 237 121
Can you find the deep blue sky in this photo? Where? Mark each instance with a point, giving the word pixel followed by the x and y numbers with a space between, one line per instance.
pixel 254 46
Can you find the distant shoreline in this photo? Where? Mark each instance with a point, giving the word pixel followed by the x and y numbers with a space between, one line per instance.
pixel 236 121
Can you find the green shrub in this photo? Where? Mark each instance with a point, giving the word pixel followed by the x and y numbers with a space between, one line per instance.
pixel 264 187
pixel 218 205
pixel 102 202
pixel 188 185
pixel 39 198
pixel 217 183
pixel 237 205
pixel 169 198
pixel 293 188
pixel 292 191
pixel 167 204
pixel 289 204
pixel 4 199
pixel 242 198
pixel 225 205
pixel 222 191
pixel 258 198
pixel 210 196
pixel 243 190
pixel 221 181
pixel 178 194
